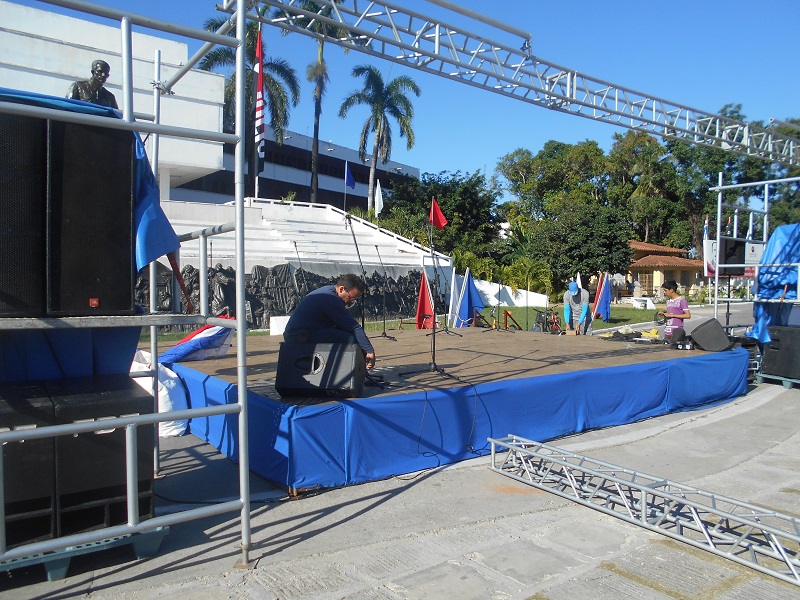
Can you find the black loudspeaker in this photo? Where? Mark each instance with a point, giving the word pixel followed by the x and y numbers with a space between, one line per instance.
pixel 23 187
pixel 90 200
pixel 781 356
pixel 90 467
pixel 731 252
pixel 28 466
pixel 328 370
pixel 711 336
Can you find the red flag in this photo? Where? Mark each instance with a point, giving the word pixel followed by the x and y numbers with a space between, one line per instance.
pixel 436 217
pixel 260 106
pixel 425 314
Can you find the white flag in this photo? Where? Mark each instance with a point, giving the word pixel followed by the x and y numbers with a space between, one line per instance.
pixel 378 198
pixel 578 280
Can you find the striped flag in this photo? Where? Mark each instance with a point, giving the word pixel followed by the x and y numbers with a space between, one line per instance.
pixel 260 137
pixel 705 229
pixel 210 341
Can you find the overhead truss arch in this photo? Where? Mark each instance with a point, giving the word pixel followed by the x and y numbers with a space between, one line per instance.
pixel 401 35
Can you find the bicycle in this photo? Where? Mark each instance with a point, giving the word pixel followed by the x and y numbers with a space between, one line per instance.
pixel 548 321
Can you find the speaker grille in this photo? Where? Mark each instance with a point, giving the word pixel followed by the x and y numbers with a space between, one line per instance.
pixel 90 221
pixel 22 227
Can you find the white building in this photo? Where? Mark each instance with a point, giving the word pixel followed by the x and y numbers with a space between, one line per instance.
pixel 44 52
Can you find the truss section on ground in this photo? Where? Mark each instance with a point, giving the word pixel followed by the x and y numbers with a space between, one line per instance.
pixel 399 34
pixel 748 534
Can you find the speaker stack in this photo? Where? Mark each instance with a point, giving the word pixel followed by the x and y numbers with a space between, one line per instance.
pixel 73 483
pixel 67 200
pixel 327 370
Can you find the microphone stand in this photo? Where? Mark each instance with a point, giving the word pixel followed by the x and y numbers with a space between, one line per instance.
pixel 435 262
pixel 432 366
pixel 302 271
pixel 377 379
pixel 363 271
pixel 383 294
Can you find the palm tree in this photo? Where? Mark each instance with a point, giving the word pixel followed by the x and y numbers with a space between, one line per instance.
pixel 282 88
pixel 317 73
pixel 384 101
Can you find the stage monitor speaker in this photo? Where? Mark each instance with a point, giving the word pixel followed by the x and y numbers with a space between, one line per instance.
pixel 90 202
pixel 731 252
pixel 327 370
pixel 781 356
pixel 711 336
pixel 23 185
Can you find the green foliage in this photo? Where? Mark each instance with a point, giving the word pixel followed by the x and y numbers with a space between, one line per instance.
pixel 467 201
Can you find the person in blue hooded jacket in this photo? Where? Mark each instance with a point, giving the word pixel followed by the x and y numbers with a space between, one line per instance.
pixel 577 316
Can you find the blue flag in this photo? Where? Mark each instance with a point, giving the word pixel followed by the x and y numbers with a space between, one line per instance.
pixel 470 302
pixel 348 176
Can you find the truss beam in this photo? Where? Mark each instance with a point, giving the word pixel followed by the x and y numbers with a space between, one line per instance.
pixel 748 534
pixel 396 33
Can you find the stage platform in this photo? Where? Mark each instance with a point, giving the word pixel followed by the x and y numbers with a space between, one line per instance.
pixel 492 383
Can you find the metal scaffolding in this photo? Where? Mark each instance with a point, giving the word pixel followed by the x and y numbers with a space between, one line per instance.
pixel 748 534
pixel 396 33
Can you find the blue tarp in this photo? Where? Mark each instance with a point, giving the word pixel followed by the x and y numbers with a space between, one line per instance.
pixel 470 301
pixel 783 246
pixel 154 234
pixel 354 441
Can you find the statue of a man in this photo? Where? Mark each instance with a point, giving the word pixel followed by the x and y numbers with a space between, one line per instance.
pixel 92 90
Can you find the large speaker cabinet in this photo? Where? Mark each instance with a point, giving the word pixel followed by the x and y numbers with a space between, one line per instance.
pixel 28 466
pixel 327 370
pixel 67 200
pixel 90 475
pixel 781 356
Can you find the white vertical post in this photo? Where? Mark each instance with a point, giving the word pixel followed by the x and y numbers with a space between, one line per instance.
pixel 241 324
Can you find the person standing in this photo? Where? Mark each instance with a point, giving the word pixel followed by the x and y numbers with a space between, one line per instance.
pixel 322 317
pixel 577 315
pixel 677 310
pixel 92 90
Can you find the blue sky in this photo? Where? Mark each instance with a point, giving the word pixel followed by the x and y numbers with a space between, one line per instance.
pixel 700 54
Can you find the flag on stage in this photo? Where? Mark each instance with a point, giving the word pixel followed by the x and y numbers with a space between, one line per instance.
pixel 210 341
pixel 436 216
pixel 348 176
pixel 260 106
pixel 469 302
pixel 425 315
pixel 378 198
pixel 602 299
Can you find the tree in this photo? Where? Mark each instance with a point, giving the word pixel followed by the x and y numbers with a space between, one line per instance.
pixel 643 184
pixel 587 239
pixel 467 201
pixel 383 101
pixel 558 174
pixel 317 73
pixel 282 88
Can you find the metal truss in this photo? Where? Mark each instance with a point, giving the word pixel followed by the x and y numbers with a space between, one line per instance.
pixel 396 33
pixel 750 535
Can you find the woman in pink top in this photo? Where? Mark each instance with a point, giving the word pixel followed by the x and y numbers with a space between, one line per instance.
pixel 677 309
